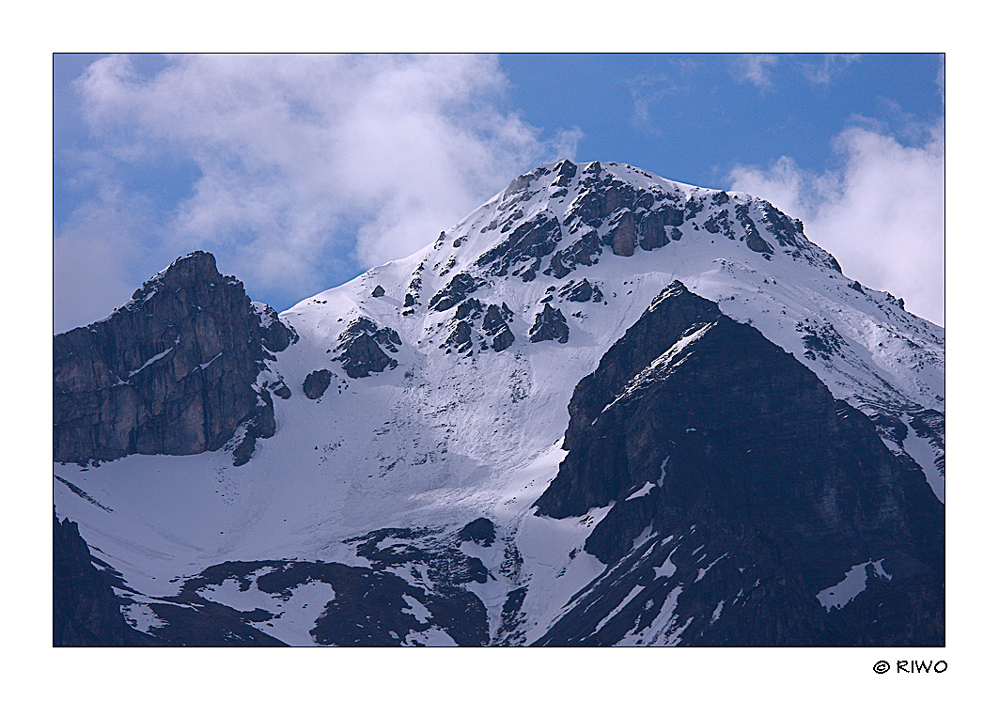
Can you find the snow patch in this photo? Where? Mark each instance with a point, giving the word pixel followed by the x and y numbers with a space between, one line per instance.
pixel 416 609
pixel 718 611
pixel 156 357
pixel 646 488
pixel 624 602
pixel 141 617
pixel 854 582
pixel 923 452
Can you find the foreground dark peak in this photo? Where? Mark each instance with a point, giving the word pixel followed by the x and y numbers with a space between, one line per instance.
pixel 170 372
pixel 704 438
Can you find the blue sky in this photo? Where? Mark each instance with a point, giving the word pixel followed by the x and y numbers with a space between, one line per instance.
pixel 300 172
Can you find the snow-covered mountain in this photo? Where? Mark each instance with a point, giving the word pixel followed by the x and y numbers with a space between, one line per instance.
pixel 604 408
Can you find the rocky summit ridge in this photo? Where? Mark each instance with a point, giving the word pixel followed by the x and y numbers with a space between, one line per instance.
pixel 603 409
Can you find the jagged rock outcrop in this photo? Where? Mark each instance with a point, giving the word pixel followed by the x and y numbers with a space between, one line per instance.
pixel 455 291
pixel 361 348
pixel 171 372
pixel 481 531
pixel 494 325
pixel 585 251
pixel 712 441
pixel 275 335
pixel 461 338
pixel 528 243
pixel 623 235
pixel 582 291
pixel 549 325
pixel 472 326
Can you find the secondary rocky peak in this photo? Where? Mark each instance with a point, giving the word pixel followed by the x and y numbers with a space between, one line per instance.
pixel 171 372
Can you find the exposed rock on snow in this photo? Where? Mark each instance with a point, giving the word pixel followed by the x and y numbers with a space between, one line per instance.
pixel 549 325
pixel 362 347
pixel 316 383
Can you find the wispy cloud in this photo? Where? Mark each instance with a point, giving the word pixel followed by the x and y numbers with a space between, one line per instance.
pixel 301 166
pixel 649 90
pixel 881 214
pixel 830 66
pixel 755 69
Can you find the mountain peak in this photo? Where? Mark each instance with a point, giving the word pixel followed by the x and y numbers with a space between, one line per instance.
pixel 604 408
pixel 560 216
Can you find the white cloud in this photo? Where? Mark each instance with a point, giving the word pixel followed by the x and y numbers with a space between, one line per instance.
pixel 831 66
pixel 754 68
pixel 309 166
pixel 881 215
pixel 93 256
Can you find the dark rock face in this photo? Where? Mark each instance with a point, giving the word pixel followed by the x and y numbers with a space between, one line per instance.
pixel 929 424
pixel 528 243
pixel 460 286
pixel 461 338
pixel 754 241
pixel 585 251
pixel 717 444
pixel 280 389
pixel 171 372
pixel 720 224
pixel 654 225
pixel 582 291
pixel 316 383
pixel 629 218
pixel 85 609
pixel 503 340
pixel 566 170
pixel 549 325
pixel 275 335
pixel 820 340
pixel 367 606
pixel 452 607
pixel 259 424
pixel 361 348
pixel 623 235
pixel 470 307
pixel 495 324
pixel 481 531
